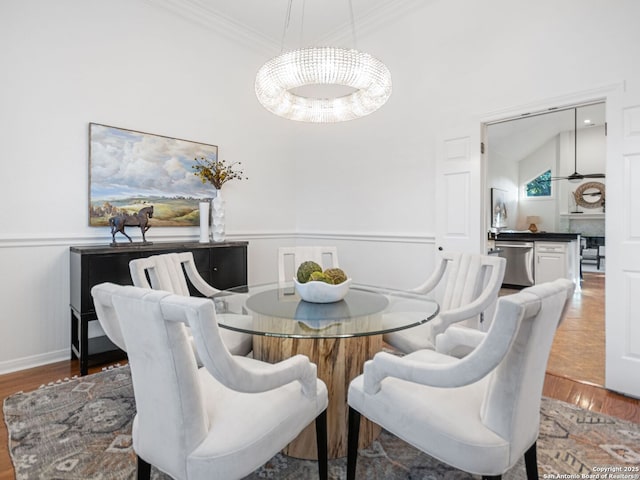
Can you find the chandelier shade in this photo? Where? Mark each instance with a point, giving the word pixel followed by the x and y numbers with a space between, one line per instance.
pixel 276 80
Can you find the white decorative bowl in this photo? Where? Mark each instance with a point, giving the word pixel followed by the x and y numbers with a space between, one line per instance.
pixel 321 292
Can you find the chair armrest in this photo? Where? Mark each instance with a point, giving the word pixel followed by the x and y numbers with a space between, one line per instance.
pixel 266 376
pixel 476 307
pixel 475 366
pixel 433 280
pixel 197 281
pixel 459 336
pixel 238 373
pixel 107 317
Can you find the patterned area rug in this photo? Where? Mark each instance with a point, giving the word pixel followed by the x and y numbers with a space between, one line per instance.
pixel 80 429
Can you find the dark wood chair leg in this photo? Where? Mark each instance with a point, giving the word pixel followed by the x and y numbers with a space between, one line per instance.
pixel 144 469
pixel 352 443
pixel 531 462
pixel 321 441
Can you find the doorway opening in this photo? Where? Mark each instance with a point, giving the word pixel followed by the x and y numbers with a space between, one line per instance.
pixel 520 150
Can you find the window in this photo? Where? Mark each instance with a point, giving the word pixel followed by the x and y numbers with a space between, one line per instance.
pixel 539 186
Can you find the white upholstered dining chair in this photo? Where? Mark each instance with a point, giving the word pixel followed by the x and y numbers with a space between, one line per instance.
pixel 169 272
pixel 480 413
pixel 290 258
pixel 221 421
pixel 465 285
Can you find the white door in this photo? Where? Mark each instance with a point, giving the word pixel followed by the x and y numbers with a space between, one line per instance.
pixel 623 243
pixel 458 199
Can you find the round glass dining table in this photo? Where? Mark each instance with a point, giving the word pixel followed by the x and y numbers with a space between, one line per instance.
pixel 338 337
pixel 278 311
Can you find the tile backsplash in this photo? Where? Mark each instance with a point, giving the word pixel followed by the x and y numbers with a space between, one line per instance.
pixel 586 226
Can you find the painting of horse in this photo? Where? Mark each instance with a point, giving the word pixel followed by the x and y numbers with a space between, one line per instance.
pixel 128 168
pixel 140 219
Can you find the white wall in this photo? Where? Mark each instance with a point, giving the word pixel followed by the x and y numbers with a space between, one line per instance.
pixel 511 174
pixel 543 159
pixel 591 159
pixel 452 60
pixel 502 173
pixel 127 64
pixel 366 185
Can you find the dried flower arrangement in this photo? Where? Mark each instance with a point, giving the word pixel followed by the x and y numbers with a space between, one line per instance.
pixel 217 172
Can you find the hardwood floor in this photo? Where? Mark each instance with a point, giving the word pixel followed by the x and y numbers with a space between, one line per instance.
pixel 578 350
pixel 592 398
pixel 575 371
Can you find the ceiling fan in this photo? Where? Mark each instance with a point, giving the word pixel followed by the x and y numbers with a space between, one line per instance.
pixel 575 176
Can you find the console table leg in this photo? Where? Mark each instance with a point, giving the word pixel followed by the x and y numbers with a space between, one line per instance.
pixel 83 347
pixel 74 336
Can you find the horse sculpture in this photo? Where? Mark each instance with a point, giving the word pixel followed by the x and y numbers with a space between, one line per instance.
pixel 125 220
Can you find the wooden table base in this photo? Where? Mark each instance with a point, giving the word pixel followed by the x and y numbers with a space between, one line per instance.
pixel 339 361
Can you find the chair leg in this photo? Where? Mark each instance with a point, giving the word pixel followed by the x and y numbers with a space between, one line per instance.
pixel 144 469
pixel 321 441
pixel 531 462
pixel 352 443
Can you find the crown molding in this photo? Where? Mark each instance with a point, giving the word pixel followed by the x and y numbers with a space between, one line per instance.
pixel 195 12
pixel 367 23
pixel 372 21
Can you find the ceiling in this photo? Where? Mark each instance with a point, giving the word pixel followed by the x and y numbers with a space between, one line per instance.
pixel 518 138
pixel 261 25
pixel 262 21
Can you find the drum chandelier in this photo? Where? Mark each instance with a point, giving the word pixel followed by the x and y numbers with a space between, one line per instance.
pixel 276 80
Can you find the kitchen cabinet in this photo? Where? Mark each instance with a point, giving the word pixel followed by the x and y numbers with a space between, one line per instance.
pixel 222 265
pixel 553 256
pixel 551 261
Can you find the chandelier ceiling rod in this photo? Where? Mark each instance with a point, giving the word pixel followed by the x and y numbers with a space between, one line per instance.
pixel 287 23
pixel 304 5
pixel 285 27
pixel 353 24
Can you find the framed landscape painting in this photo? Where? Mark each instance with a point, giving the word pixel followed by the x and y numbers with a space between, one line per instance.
pixel 130 170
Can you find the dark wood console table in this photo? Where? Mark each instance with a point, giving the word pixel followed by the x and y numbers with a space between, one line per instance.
pixel 222 265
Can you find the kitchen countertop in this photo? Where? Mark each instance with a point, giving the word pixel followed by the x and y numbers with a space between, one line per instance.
pixel 538 237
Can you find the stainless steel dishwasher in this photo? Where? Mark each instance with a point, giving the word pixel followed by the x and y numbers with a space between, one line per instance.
pixel 519 271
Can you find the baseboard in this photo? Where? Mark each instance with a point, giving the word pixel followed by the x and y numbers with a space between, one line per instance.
pixel 24 363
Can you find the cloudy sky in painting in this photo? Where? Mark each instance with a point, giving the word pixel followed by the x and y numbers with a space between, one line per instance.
pixel 125 163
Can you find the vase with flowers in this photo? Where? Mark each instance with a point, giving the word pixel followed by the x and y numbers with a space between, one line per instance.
pixel 217 173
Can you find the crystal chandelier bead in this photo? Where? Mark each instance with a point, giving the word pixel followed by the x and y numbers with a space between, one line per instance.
pixel 369 77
